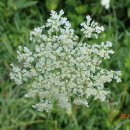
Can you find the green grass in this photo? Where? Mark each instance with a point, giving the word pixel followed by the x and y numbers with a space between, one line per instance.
pixel 17 18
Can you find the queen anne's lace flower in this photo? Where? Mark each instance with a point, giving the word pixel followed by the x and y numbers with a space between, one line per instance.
pixel 62 68
pixel 105 3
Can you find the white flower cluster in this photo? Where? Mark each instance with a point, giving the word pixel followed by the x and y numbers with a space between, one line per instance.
pixel 64 70
pixel 105 3
pixel 91 28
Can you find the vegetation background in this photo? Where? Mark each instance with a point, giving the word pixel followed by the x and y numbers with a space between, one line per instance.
pixel 17 18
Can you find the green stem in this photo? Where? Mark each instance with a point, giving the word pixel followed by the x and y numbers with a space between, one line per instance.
pixel 75 120
pixel 82 39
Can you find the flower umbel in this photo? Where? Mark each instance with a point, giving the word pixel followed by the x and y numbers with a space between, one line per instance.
pixel 62 67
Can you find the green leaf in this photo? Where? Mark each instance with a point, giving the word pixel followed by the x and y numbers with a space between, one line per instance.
pixel 51 4
pixel 81 9
pixel 128 12
pixel 20 4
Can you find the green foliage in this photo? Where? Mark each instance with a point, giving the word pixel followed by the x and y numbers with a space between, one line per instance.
pixel 51 4
pixel 17 18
